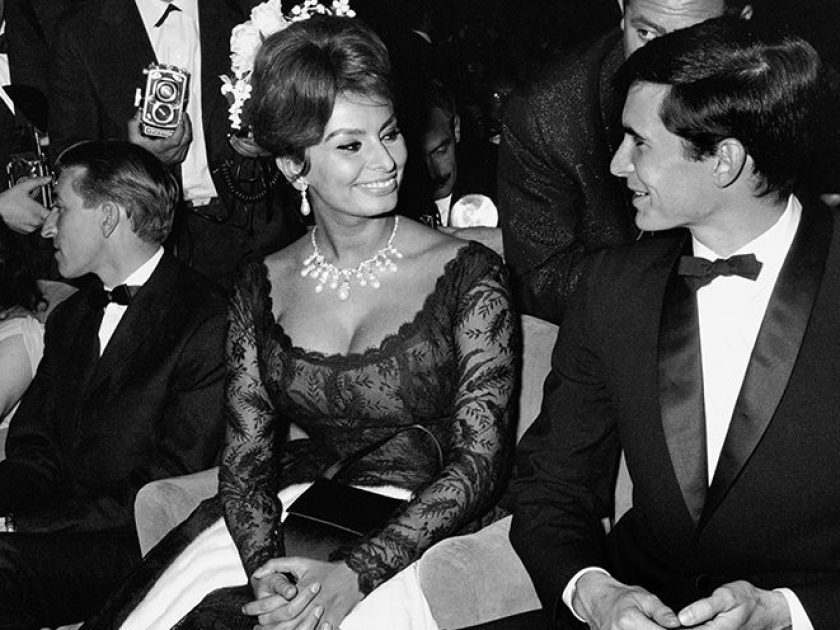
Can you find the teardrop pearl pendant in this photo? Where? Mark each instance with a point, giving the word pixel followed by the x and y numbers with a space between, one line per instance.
pixel 366 273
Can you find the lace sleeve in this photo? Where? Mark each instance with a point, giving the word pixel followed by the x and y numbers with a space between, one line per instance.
pixel 247 475
pixel 487 340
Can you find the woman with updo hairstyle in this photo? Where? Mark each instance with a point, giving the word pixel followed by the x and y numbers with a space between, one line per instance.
pixel 368 324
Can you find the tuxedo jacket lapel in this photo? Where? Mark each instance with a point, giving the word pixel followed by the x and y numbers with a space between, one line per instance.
pixel 122 39
pixel 681 391
pixel 775 352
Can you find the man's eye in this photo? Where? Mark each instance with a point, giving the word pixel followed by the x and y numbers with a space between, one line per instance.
pixel 646 35
pixel 350 146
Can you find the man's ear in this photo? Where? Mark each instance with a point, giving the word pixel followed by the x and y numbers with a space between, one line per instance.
pixel 290 168
pixel 456 128
pixel 110 217
pixel 730 159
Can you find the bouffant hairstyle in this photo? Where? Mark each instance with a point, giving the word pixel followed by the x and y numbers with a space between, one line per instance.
pixel 17 283
pixel 299 72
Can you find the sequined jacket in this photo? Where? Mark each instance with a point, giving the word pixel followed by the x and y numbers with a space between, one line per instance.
pixel 557 198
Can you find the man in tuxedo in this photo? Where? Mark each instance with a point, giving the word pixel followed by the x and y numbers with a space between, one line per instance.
pixel 557 199
pixel 130 389
pixel 234 206
pixel 716 375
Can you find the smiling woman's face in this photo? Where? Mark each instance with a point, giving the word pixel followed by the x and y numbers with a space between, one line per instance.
pixel 357 167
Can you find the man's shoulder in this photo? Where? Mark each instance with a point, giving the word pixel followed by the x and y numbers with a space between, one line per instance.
pixel 568 74
pixel 187 286
pixel 632 264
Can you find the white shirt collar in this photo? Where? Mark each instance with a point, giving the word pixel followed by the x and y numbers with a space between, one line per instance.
pixel 770 247
pixel 152 10
pixel 141 275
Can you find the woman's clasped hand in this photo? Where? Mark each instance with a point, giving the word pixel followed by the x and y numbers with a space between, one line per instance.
pixel 302 594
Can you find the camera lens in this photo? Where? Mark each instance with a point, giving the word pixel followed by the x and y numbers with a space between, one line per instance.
pixel 162 113
pixel 166 91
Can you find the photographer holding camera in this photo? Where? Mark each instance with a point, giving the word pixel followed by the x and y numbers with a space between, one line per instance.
pixel 234 206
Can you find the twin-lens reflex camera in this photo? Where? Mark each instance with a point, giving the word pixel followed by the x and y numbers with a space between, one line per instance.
pixel 163 102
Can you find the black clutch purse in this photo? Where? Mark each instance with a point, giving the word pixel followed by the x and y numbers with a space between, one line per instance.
pixel 329 513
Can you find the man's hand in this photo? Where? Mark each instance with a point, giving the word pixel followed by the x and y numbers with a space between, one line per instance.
pixel 491 237
pixel 19 210
pixel 607 604
pixel 738 605
pixel 325 593
pixel 171 150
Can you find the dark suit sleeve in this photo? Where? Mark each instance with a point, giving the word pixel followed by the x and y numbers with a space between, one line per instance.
pixel 187 439
pixel 540 209
pixel 566 465
pixel 74 109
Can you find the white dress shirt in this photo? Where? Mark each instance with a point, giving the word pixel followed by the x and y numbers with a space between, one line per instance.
pixel 444 205
pixel 730 311
pixel 5 75
pixel 176 42
pixel 114 312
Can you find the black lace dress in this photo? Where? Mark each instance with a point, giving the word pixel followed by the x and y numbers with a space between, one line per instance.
pixel 453 369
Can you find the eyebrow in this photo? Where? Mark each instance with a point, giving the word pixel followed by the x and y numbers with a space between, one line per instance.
pixel 640 20
pixel 358 132
pixel 632 132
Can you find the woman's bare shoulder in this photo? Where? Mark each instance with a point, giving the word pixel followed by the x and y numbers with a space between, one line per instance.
pixel 421 241
pixel 286 261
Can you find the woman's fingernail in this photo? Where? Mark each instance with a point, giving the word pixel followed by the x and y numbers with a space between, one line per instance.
pixel 315 587
pixel 318 611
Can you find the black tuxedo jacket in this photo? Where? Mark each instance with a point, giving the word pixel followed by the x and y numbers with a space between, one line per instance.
pixel 91 431
pixel 626 376
pixel 557 198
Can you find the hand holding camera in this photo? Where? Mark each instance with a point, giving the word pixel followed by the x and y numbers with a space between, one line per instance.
pixel 171 150
pixel 161 124
pixel 19 210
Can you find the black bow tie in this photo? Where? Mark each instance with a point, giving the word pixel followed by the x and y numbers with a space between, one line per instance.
pixel 169 9
pixel 699 272
pixel 121 294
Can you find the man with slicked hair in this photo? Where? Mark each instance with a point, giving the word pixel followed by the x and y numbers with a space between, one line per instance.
pixel 706 355
pixel 130 389
pixel 557 199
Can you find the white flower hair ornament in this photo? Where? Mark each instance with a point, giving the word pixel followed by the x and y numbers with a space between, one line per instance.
pixel 245 39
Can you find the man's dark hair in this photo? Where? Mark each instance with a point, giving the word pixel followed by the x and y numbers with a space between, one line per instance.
pixel 728 81
pixel 731 8
pixel 130 176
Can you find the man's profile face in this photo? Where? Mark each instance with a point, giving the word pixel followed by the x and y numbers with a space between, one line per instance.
pixel 669 189
pixel 438 146
pixel 645 20
pixel 76 230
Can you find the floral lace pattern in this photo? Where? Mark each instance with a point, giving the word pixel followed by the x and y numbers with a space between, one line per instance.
pixel 453 368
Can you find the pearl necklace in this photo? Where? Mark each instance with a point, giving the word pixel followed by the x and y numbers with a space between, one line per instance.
pixel 365 273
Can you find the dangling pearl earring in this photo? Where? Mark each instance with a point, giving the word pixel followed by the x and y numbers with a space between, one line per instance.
pixel 304 202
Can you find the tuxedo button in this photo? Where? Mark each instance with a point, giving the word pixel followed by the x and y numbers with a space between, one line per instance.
pixel 703 583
